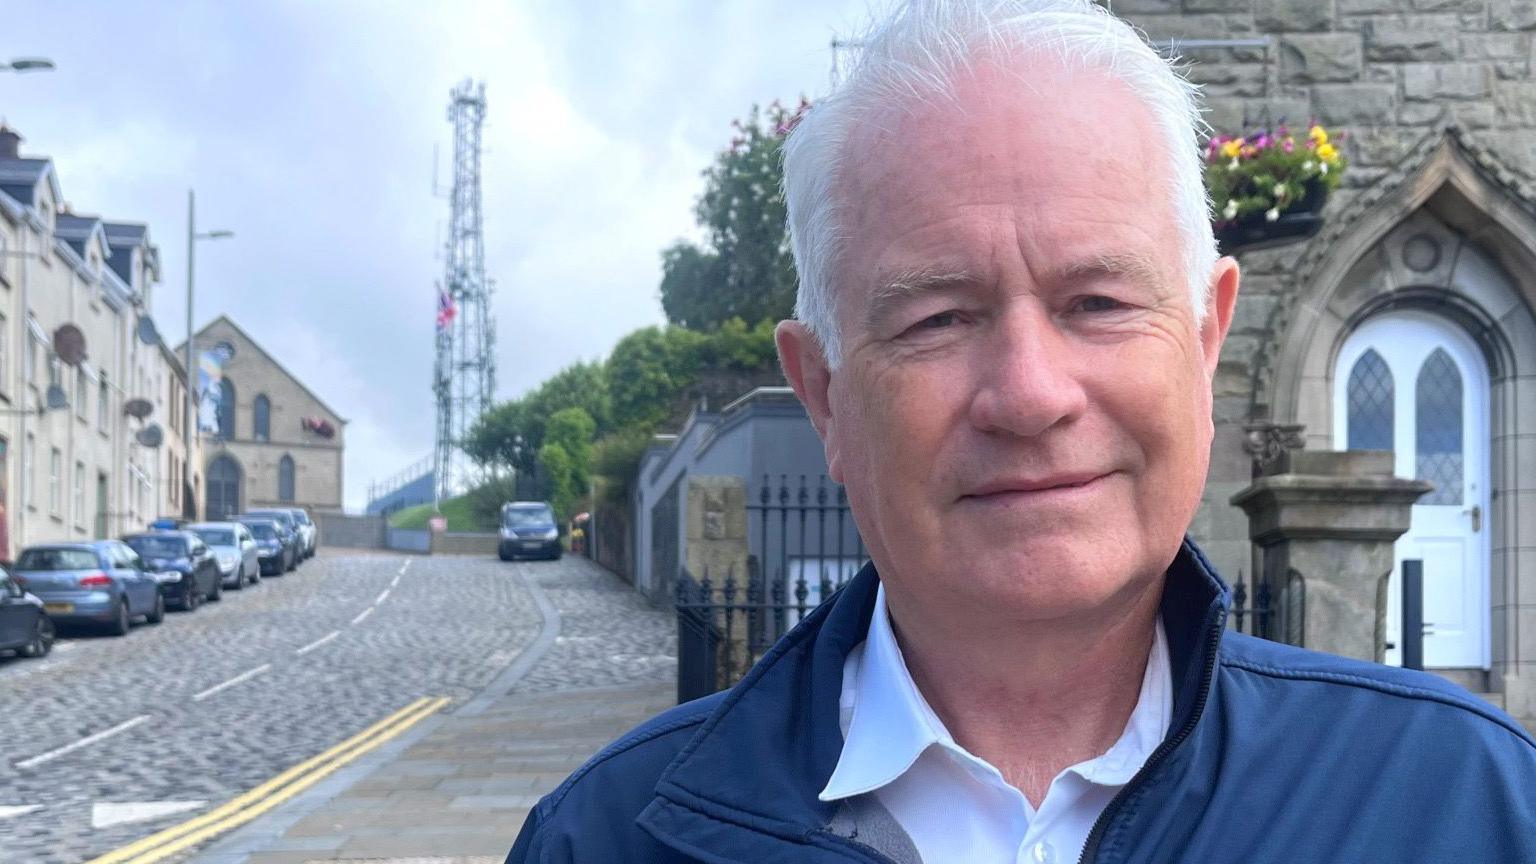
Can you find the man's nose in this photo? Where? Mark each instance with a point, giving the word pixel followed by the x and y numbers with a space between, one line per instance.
pixel 1032 380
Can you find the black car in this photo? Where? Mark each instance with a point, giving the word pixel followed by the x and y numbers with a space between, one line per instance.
pixel 528 529
pixel 274 555
pixel 189 572
pixel 24 627
pixel 288 532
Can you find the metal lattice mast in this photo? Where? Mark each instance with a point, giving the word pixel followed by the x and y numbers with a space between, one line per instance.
pixel 465 372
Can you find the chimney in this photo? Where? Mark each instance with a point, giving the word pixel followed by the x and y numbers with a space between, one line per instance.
pixel 10 143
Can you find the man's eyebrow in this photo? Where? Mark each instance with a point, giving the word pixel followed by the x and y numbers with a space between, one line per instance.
pixel 1133 267
pixel 899 285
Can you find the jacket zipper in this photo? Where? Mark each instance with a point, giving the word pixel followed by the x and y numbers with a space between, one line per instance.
pixel 1100 825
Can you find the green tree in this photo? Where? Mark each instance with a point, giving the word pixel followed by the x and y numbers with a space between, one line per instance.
pixel 744 269
pixel 563 491
pixel 572 430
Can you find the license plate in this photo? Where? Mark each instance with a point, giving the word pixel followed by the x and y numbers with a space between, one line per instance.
pixel 531 544
pixel 59 608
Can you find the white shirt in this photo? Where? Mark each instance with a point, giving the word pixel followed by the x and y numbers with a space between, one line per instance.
pixel 955 806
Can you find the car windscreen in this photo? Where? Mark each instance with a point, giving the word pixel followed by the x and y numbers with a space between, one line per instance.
pixel 58 559
pixel 215 536
pixel 523 517
pixel 158 547
pixel 279 517
pixel 263 532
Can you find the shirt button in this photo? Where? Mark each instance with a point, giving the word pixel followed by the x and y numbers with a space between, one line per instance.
pixel 1043 853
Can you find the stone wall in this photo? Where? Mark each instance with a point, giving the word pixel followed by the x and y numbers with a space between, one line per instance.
pixel 358 532
pixel 1389 74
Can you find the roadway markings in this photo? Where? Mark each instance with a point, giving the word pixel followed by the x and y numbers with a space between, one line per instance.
pixel 242 809
pixel 318 642
pixel 109 814
pixel 83 742
pixel 361 616
pixel 395 581
pixel 12 812
pixel 242 677
pixel 406 566
pixel 383 595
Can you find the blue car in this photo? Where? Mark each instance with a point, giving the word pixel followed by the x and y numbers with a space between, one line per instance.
pixel 102 583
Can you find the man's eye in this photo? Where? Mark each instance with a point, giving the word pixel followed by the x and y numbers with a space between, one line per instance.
pixel 1099 303
pixel 937 322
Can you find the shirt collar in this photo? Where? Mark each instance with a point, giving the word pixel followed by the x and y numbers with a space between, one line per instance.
pixel 887 724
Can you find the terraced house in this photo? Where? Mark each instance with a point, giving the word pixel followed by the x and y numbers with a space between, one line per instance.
pixel 78 385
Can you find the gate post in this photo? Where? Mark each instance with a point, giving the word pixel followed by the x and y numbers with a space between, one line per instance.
pixel 715 544
pixel 1333 517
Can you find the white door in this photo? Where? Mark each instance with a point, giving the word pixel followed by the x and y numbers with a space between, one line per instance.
pixel 1417 385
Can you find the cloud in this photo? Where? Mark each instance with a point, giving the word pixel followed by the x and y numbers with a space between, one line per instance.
pixel 309 129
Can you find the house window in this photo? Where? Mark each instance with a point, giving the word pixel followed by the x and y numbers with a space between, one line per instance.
pixel 1370 404
pixel 81 389
pixel 261 418
pixel 55 371
pixel 226 409
pixel 55 481
pixel 79 502
pixel 32 350
pixel 103 403
pixel 28 459
pixel 5 342
pixel 285 478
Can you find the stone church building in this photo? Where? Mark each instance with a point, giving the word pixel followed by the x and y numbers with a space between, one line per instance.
pixel 272 441
pixel 1406 324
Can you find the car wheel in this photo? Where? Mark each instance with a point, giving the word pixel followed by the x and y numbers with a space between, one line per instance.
pixel 189 597
pixel 239 582
pixel 120 624
pixel 256 575
pixel 217 593
pixel 42 639
pixel 158 615
pixel 293 563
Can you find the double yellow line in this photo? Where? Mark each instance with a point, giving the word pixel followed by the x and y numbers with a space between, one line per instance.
pixel 240 810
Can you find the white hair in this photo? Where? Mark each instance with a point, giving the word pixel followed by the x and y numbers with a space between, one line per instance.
pixel 915 55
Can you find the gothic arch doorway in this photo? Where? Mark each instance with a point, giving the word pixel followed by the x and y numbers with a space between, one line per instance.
pixel 224 478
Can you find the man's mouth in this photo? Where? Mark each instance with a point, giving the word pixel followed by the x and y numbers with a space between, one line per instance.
pixel 1034 486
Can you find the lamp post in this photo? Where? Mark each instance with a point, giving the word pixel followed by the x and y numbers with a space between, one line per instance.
pixel 27 64
pixel 189 422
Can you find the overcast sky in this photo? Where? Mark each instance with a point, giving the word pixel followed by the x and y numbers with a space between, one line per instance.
pixel 308 128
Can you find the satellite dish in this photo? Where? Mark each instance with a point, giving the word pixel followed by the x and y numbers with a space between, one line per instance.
pixel 138 408
pixel 150 436
pixel 147 332
pixel 57 400
pixel 69 344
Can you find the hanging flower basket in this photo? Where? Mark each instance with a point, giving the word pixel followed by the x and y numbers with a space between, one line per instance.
pixel 1267 189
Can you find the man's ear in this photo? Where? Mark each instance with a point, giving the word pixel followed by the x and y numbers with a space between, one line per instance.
pixel 1225 279
pixel 806 368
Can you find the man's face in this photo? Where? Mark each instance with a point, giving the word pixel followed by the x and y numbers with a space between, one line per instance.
pixel 1022 416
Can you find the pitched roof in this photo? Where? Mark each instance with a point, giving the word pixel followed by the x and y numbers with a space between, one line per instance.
pixel 264 353
pixel 122 239
pixel 77 231
pixel 19 178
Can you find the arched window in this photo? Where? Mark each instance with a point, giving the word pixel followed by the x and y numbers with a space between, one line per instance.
pixel 226 409
pixel 1370 404
pixel 223 488
pixel 285 478
pixel 1438 423
pixel 261 418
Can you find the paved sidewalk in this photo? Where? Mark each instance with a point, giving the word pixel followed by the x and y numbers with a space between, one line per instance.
pixel 457 789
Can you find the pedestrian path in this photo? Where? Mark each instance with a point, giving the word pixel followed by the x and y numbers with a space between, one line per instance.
pixel 459 791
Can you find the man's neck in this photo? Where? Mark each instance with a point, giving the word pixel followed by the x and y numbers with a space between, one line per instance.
pixel 1031 699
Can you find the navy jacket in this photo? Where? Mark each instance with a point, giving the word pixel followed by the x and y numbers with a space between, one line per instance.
pixel 1274 754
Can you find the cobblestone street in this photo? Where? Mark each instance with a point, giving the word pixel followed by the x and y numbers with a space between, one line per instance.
pixel 241 691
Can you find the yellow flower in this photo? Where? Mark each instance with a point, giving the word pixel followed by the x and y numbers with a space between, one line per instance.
pixel 1231 149
pixel 1327 153
pixel 1319 135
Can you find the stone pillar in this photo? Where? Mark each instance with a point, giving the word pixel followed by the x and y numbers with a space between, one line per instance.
pixel 715 538
pixel 1332 517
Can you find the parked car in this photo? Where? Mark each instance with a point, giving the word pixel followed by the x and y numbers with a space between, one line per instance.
pixel 189 574
pixel 290 533
pixel 273 556
pixel 168 523
pixel 298 521
pixel 24 627
pixel 102 583
pixel 528 529
pixel 311 531
pixel 234 549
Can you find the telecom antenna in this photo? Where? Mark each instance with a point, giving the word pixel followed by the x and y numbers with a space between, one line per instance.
pixel 464 378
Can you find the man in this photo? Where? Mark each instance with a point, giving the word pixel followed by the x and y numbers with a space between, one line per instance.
pixel 1010 315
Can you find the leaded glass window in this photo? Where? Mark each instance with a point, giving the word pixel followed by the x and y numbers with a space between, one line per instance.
pixel 1370 404
pixel 1437 411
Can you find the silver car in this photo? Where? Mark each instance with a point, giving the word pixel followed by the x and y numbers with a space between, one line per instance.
pixel 235 550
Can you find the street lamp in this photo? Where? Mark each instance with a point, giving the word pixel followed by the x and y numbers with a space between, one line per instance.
pixel 27 64
pixel 189 422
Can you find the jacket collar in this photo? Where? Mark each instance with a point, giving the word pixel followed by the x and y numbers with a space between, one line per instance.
pixel 758 762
